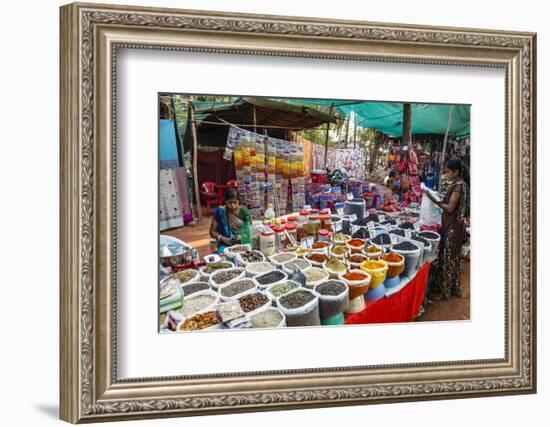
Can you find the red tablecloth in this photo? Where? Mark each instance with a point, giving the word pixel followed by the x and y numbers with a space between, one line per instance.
pixel 402 306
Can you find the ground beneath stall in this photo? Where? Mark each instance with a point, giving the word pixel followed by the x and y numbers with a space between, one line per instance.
pixel 196 235
pixel 454 308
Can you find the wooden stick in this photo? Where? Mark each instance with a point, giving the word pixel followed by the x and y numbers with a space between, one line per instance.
pixel 195 153
pixel 326 138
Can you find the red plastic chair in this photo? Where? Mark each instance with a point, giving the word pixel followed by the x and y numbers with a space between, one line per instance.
pixel 232 183
pixel 208 191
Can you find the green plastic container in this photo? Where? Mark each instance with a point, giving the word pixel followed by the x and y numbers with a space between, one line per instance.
pixel 334 320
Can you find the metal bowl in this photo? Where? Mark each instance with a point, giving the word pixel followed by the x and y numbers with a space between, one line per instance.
pixel 172 255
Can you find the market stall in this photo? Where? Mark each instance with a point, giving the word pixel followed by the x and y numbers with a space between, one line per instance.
pixel 302 270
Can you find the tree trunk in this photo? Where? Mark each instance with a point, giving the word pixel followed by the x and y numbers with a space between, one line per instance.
pixel 407 120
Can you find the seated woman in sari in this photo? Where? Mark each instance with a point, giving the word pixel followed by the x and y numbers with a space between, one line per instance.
pixel 230 221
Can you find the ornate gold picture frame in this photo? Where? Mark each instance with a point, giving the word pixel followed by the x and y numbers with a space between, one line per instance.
pixel 90 36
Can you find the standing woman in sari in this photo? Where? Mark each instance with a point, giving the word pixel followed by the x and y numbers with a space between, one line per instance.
pixel 231 222
pixel 453 223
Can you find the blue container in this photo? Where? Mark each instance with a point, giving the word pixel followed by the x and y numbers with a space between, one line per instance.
pixel 392 282
pixel 376 293
pixel 334 320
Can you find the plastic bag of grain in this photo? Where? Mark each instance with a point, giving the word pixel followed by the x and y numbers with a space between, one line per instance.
pixel 197 302
pixel 208 269
pixel 231 252
pixel 264 280
pixel 254 301
pixel 269 317
pixel 301 308
pixel 412 253
pixel 181 277
pixel 301 264
pixel 426 248
pixel 279 259
pixel 315 275
pixel 432 237
pixel 219 278
pixel 255 268
pixel 333 297
pixel 237 288
pixel 244 258
pixel 277 290
pixel 334 266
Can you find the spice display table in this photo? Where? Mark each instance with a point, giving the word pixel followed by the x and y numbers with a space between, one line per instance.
pixel 401 306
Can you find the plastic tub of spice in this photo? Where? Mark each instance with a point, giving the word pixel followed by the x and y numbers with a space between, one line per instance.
pixel 208 269
pixel 334 266
pixel 254 301
pixel 279 259
pixel 221 277
pixel 377 269
pixel 355 245
pixel 269 317
pixel 247 257
pixel 333 298
pixel 433 238
pixel 301 264
pixel 255 268
pixel 355 260
pixel 412 253
pixel 324 236
pixel 358 283
pixel 263 281
pixel 301 308
pixel 316 259
pixel 315 275
pixel 395 262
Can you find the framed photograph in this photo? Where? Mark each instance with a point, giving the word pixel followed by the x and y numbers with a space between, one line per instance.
pixel 270 212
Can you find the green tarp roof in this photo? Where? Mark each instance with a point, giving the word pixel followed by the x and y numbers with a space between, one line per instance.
pixel 387 117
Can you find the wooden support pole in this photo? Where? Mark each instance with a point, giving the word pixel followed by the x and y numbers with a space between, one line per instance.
pixel 326 139
pixel 195 154
pixel 442 163
pixel 354 131
pixel 407 121
pixel 347 133
pixel 254 117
